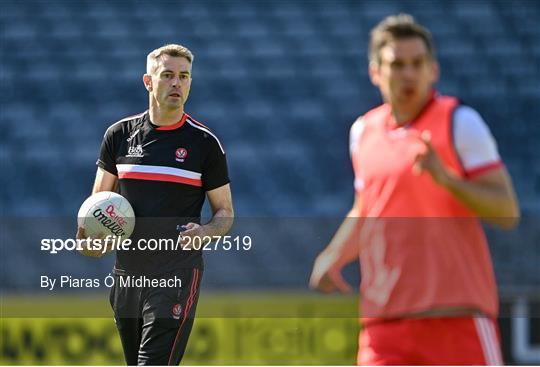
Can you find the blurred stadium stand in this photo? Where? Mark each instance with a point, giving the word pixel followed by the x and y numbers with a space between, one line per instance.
pixel 279 81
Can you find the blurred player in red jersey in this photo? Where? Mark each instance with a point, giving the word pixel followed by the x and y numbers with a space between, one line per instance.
pixel 426 170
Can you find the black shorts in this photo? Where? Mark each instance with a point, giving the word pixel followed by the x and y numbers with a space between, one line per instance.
pixel 154 323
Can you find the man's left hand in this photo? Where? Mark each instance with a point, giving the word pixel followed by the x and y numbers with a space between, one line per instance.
pixel 188 236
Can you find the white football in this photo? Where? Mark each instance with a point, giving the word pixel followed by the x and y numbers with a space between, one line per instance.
pixel 106 213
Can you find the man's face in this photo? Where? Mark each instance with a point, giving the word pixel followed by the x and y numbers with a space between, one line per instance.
pixel 406 73
pixel 170 82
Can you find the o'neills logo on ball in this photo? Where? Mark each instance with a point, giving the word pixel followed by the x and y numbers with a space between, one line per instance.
pixel 181 154
pixel 111 220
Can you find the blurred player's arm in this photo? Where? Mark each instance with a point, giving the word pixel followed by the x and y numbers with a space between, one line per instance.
pixel 220 200
pixel 343 249
pixel 490 194
pixel 487 188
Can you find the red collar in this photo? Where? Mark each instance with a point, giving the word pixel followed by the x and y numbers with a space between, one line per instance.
pixel 174 126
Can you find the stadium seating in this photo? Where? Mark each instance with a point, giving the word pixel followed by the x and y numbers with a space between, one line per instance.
pixel 279 82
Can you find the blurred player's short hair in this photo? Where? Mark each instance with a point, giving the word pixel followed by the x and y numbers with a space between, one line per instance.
pixel 397 27
pixel 173 50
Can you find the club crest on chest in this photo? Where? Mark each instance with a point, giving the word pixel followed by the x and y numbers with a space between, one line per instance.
pixel 181 154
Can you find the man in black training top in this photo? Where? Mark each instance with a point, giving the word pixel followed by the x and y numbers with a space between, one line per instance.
pixel 163 162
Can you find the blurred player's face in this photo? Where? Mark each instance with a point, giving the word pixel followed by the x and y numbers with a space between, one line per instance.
pixel 170 82
pixel 406 73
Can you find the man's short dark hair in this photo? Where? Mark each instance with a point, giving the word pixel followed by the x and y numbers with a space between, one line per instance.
pixel 397 27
